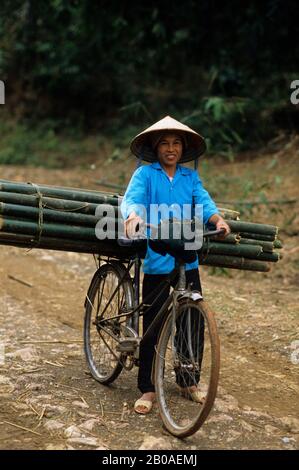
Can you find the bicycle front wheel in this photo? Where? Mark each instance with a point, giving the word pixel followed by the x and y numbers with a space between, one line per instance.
pixel 187 358
pixel 110 294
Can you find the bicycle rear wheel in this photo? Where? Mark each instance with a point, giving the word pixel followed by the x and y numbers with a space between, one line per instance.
pixel 187 355
pixel 110 294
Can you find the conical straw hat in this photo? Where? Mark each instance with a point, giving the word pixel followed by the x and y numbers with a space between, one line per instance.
pixel 142 146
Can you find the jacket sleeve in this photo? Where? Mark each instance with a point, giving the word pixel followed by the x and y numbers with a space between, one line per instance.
pixel 136 196
pixel 201 197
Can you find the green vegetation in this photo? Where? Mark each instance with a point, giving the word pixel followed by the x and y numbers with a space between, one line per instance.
pixel 76 67
pixel 41 145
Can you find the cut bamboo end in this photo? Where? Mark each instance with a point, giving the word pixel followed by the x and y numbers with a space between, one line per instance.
pixel 229 213
pixel 277 244
pixel 270 257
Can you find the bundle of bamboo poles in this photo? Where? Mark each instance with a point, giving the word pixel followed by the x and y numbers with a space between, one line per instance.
pixel 60 218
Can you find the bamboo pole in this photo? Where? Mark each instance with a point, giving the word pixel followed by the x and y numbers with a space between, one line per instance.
pixel 68 205
pixel 261 203
pixel 58 188
pixel 62 244
pixel 14 192
pixel 228 213
pixel 24 212
pixel 76 233
pixel 55 230
pixel 273 257
pixel 48 202
pixel 266 246
pixel 64 193
pixel 258 236
pixel 64 219
pixel 248 251
pixel 234 262
pixel 250 227
pixel 25 241
pixel 88 233
pixel 231 238
pixel 235 202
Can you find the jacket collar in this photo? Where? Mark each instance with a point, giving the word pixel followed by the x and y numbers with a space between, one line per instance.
pixel 183 170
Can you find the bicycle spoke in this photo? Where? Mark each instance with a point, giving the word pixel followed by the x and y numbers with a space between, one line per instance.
pixel 109 290
pixel 184 366
pixel 111 297
pixel 110 348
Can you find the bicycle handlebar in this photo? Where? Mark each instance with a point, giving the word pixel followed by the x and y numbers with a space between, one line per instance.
pixel 209 233
pixel 138 240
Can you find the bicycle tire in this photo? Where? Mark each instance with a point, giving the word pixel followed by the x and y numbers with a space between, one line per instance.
pixel 180 417
pixel 103 359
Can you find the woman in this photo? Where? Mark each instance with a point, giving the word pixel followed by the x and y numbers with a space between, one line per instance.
pixel 165 182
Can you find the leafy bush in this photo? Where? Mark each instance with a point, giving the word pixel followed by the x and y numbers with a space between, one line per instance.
pixel 115 66
pixel 39 145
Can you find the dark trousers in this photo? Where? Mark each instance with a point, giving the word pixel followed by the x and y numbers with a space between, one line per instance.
pixel 147 351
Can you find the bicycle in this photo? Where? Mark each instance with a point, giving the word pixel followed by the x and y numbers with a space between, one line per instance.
pixel 112 339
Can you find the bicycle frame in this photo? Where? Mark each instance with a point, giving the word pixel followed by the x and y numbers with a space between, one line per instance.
pixel 181 323
pixel 180 292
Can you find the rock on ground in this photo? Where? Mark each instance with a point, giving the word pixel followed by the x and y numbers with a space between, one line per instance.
pixel 155 443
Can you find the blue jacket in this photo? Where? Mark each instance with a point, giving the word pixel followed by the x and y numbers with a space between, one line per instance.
pixel 150 184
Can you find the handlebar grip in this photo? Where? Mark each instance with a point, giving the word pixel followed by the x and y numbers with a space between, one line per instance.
pixel 211 233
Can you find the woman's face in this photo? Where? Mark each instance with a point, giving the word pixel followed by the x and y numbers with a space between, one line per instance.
pixel 169 149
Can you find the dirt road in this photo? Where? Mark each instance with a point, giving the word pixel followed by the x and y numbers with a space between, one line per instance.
pixel 46 387
pixel 50 401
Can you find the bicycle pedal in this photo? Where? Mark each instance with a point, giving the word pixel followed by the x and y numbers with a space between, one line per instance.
pixel 127 345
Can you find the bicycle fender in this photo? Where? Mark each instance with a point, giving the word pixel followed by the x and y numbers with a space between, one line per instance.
pixel 193 295
pixel 90 286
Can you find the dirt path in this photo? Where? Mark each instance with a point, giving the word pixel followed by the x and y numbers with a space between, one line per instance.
pixel 46 387
pixel 50 401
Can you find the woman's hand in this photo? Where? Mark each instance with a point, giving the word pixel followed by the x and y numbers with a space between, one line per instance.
pixel 133 225
pixel 220 224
